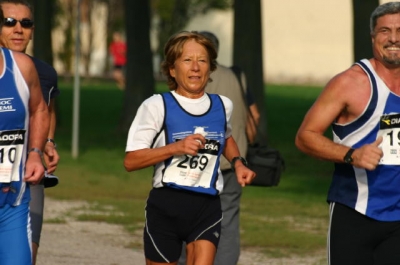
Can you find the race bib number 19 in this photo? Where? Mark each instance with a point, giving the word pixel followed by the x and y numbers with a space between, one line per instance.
pixel 389 129
pixel 11 147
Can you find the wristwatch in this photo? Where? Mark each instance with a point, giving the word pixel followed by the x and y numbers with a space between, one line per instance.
pixel 347 158
pixel 238 158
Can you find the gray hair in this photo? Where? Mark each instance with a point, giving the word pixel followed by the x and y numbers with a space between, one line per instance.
pixel 211 36
pixel 380 11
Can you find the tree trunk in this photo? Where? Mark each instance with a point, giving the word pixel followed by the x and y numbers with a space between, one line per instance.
pixel 42 48
pixel 247 50
pixel 362 10
pixel 139 68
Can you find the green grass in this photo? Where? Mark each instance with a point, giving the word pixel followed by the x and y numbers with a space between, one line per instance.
pixel 289 219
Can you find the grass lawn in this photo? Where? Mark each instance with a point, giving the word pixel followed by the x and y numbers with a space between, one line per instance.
pixel 290 218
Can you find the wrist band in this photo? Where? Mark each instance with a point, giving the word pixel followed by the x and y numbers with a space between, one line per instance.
pixel 37 150
pixel 49 140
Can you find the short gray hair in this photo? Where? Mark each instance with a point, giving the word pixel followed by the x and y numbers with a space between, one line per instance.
pixel 380 11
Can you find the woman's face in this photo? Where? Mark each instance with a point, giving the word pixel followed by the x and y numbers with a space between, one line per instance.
pixel 191 70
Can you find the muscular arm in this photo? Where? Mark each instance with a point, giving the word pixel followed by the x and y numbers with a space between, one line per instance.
pixel 38 118
pixel 343 99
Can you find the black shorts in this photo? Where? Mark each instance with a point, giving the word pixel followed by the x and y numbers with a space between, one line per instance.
pixel 174 216
pixel 357 239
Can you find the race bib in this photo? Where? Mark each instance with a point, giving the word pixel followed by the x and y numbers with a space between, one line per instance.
pixel 194 171
pixel 389 129
pixel 11 147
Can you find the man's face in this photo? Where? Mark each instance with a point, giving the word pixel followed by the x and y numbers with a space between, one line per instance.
pixel 386 39
pixel 16 37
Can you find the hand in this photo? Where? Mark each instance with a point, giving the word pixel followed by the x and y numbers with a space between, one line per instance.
pixel 190 145
pixel 50 157
pixel 34 169
pixel 244 175
pixel 368 156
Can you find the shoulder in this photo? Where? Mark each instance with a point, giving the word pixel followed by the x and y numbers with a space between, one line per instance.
pixel 227 102
pixel 354 77
pixel 25 64
pixel 43 67
pixel 153 101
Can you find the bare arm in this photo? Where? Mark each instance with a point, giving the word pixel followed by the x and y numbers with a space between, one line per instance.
pixel 150 156
pixel 253 118
pixel 244 174
pixel 343 99
pixel 51 156
pixel 38 118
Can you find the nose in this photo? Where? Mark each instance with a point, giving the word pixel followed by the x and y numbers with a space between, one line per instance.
pixel 18 27
pixel 195 65
pixel 394 36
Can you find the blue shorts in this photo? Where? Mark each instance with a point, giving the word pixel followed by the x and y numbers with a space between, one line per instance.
pixel 15 235
pixel 175 216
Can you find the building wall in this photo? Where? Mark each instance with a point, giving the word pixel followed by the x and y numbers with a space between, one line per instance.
pixel 306 41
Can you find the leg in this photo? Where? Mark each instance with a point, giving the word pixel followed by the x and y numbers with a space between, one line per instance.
pixel 36 213
pixel 352 237
pixel 387 252
pixel 15 235
pixel 200 252
pixel 229 245
pixel 119 78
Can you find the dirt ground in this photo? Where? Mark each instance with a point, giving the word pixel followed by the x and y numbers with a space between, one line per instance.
pixel 68 241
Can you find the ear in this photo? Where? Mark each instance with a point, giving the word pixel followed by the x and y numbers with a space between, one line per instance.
pixel 172 71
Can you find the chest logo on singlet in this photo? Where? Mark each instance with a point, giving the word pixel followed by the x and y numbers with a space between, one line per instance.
pixel 6 104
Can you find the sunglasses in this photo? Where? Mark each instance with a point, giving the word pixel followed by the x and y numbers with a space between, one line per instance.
pixel 25 23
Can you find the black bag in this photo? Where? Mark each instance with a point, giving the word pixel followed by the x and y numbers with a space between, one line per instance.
pixel 265 161
pixel 268 164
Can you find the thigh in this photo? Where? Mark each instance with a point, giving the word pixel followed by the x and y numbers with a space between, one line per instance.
pixel 161 240
pixel 36 206
pixel 351 237
pixel 15 238
pixel 200 252
pixel 387 252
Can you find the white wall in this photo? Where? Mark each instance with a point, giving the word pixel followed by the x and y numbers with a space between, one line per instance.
pixel 306 41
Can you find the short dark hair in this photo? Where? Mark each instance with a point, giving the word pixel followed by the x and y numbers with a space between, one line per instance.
pixel 19 2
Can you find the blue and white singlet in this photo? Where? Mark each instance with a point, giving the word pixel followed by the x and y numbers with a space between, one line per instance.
pixel 194 173
pixel 375 193
pixel 14 121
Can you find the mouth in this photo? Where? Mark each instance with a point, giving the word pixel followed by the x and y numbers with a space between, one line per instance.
pixel 394 48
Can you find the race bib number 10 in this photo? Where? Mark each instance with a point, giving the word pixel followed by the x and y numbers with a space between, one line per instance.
pixel 11 147
pixel 389 129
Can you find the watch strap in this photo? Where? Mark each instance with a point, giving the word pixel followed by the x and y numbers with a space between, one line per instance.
pixel 244 161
